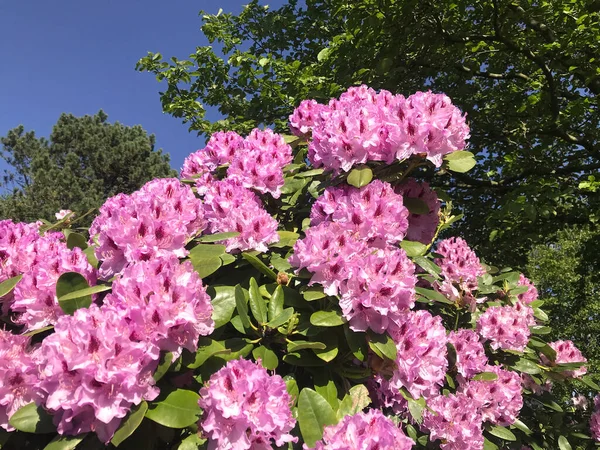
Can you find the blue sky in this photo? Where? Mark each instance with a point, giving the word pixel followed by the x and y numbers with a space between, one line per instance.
pixel 79 56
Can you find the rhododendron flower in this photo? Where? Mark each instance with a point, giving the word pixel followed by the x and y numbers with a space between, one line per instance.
pixel 245 408
pixel 421 361
pixel 164 303
pixel 220 149
pixel 500 400
pixel 529 383
pixel 566 352
pixel 580 402
pixel 470 354
pixel 305 116
pixel 93 372
pixel 19 383
pixel 455 420
pixel 459 263
pixel 381 286
pixel 374 212
pixel 595 419
pixel 505 327
pixel 35 298
pixel 531 294
pixel 259 164
pixel 364 431
pixel 231 207
pixel 62 214
pixel 157 220
pixel 421 227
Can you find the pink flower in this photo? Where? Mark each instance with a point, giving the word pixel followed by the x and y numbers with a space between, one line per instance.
pixel 62 214
pixel 220 149
pixel 245 408
pixel 164 303
pixel 455 420
pixel 505 327
pixel 460 265
pixel 157 220
pixel 422 355
pixel 421 227
pixel 19 384
pixel 595 419
pixel 231 207
pixel 93 372
pixel 500 400
pixel 259 163
pixel 365 431
pixel 470 354
pixel 374 212
pixel 305 116
pixel 566 352
pixel 531 294
pixel 380 288
pixel 580 402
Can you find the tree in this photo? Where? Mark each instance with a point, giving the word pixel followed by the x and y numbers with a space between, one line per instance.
pixel 527 74
pixel 85 161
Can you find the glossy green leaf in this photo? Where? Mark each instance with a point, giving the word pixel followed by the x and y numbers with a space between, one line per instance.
pixel 314 414
pixel 502 433
pixel 355 401
pixel 8 285
pixel 85 292
pixel 223 302
pixel 485 376
pixel 179 409
pixel 68 283
pixel 327 318
pixel 258 306
pixel 433 295
pixel 282 318
pixel 276 303
pixel 65 442
pixel 241 302
pixel 260 266
pixel 360 177
pixel 383 345
pixel 218 237
pixel 32 419
pixel 130 423
pixel 76 240
pixel 313 293
pixel 267 356
pixel 413 248
pixel 460 161
pixel 166 359
pixel 331 347
pixel 192 442
pixel 207 348
pixel 563 443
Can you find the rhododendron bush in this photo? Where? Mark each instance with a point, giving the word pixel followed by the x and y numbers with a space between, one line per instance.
pixel 295 291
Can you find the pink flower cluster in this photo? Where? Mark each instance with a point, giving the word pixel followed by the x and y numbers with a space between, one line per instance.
pixel 231 207
pixel 364 125
pixel 531 294
pixel 470 354
pixel 374 213
pixel 595 419
pixel 499 401
pixel 93 372
pixel 421 361
pixel 157 220
pixel 506 327
pixel 455 420
pixel 164 303
pixel 460 265
pixel 246 408
pixel 19 375
pixel 421 227
pixel 255 162
pixel 364 431
pixel 566 352
pixel 350 250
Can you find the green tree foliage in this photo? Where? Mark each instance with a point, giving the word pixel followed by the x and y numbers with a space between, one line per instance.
pixel 566 274
pixel 85 161
pixel 527 74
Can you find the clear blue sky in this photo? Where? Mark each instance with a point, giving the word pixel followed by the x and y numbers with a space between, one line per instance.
pixel 78 56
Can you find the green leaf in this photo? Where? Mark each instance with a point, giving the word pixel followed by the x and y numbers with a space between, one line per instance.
pixel 206 258
pixel 413 248
pixel 357 342
pixel 267 356
pixel 65 442
pixel 355 401
pixel 207 266
pixel 84 292
pixel 258 305
pixel 260 266
pixel 291 387
pixel 314 414
pixel 76 240
pixel 327 318
pixel 8 285
pixel 360 177
pixel 276 303
pixel 433 295
pixel 486 376
pixel 192 442
pixel 313 293
pixel 461 161
pixel 207 348
pixel 241 303
pixel 130 423
pixel 91 256
pixel 527 366
pixel 179 409
pixel 223 302
pixel 489 445
pixel 502 433
pixel 166 359
pixel 325 386
pixel 563 443
pixel 32 419
pixel 286 239
pixel 540 330
pixel 282 318
pixel 428 265
pixel 521 426
pixel 323 54
pixel 303 345
pixel 590 383
pixel 416 205
pixel 383 345
pixel 218 237
pixel 416 408
pixel 332 348
pixel 70 282
pixel 237 347
pixel 39 330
